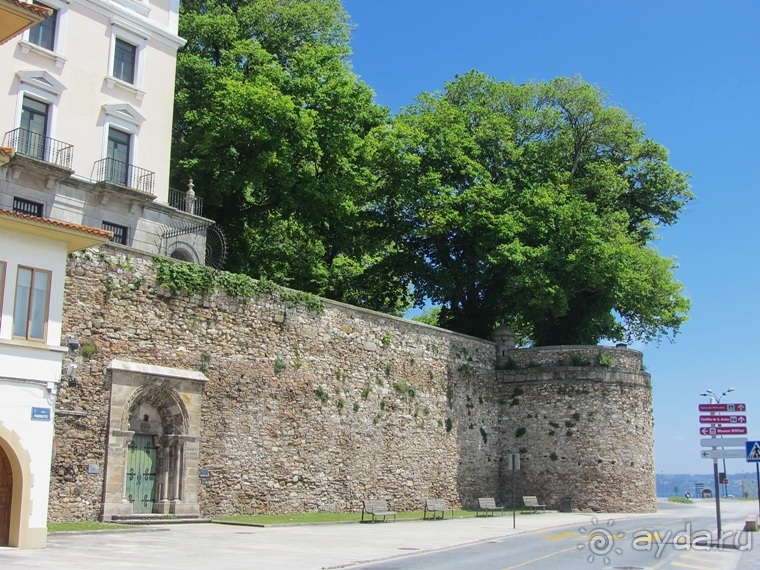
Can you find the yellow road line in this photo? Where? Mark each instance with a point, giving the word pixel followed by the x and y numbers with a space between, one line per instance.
pixel 561 536
pixel 541 558
pixel 695 566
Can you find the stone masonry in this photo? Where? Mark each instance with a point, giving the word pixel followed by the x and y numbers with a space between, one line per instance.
pixel 308 411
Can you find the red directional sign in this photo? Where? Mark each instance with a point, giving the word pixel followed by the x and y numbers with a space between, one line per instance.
pixel 723 419
pixel 722 407
pixel 735 430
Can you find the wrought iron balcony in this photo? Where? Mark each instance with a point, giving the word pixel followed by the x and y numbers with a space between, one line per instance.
pixel 125 174
pixel 187 203
pixel 35 145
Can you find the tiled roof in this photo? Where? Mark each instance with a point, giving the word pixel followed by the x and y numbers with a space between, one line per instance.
pixel 67 225
pixel 7 150
pixel 41 10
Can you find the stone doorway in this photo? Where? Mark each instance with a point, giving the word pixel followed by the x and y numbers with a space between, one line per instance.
pixel 153 441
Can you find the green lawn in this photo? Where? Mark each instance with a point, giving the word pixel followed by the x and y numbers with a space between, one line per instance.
pixel 680 500
pixel 301 518
pixel 297 518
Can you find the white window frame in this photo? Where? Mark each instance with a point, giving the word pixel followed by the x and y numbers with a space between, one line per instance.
pixel 57 55
pixel 46 316
pixel 126 33
pixel 125 118
pixel 44 87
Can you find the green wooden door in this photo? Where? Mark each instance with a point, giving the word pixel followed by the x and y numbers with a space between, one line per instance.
pixel 141 473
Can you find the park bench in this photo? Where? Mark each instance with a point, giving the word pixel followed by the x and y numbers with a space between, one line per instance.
pixel 436 506
pixel 487 505
pixel 377 508
pixel 531 503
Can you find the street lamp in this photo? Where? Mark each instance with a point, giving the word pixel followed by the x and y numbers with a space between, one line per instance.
pixel 715 399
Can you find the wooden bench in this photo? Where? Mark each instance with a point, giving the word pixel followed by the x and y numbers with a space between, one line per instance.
pixel 531 503
pixel 488 505
pixel 436 506
pixel 377 508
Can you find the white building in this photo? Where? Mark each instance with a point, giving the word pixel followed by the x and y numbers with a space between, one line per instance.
pixel 32 271
pixel 86 119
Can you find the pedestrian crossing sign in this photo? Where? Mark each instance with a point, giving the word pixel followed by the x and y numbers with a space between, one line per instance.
pixel 753 451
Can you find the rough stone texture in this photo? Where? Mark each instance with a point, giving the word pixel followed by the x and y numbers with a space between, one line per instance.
pixel 315 412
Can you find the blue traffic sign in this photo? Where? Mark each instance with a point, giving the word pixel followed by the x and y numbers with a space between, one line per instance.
pixel 753 451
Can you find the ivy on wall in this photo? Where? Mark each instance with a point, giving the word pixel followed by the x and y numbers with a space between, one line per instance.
pixel 194 279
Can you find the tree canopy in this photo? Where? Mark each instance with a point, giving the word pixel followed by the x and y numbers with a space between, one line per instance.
pixel 270 124
pixel 531 205
pixel 535 206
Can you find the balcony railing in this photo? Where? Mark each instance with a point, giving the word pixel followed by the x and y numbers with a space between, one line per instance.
pixel 125 174
pixel 190 204
pixel 35 145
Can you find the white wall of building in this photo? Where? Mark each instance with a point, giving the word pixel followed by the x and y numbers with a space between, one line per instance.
pixel 80 91
pixel 30 373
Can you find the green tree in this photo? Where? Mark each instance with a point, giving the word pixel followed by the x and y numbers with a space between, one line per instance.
pixel 535 206
pixel 271 123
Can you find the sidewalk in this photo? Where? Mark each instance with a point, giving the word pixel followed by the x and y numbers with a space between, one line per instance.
pixel 277 547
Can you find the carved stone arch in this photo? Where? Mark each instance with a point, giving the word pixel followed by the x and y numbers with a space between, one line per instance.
pixel 168 403
pixel 155 415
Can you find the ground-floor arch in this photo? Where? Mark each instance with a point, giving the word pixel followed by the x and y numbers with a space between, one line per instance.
pixel 15 494
pixel 6 497
pixel 153 441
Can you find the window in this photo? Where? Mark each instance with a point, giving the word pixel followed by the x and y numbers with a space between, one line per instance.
pixel 119 232
pixel 43 34
pixel 27 207
pixel 30 312
pixel 124 59
pixel 118 152
pixel 34 126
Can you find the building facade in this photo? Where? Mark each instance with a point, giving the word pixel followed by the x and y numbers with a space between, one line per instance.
pixel 32 272
pixel 86 124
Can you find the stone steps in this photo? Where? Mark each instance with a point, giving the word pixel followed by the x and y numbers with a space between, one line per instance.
pixel 149 518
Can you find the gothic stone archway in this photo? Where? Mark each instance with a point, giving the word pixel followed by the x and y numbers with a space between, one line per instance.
pixel 153 440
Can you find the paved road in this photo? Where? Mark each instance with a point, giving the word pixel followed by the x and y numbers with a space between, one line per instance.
pixel 664 542
pixel 299 547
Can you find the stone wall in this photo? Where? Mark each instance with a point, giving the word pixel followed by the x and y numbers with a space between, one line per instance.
pixel 583 429
pixel 307 411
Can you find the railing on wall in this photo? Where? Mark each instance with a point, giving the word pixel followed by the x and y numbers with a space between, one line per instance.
pixel 35 145
pixel 182 201
pixel 125 174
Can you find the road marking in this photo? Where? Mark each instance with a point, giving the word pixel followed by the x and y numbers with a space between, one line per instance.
pixel 561 536
pixel 541 558
pixel 695 566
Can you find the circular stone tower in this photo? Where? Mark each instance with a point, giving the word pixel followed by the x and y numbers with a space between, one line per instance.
pixel 581 419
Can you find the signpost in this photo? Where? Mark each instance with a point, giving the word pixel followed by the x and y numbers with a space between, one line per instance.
pixel 722 407
pixel 723 442
pixel 722 414
pixel 723 454
pixel 733 419
pixel 719 430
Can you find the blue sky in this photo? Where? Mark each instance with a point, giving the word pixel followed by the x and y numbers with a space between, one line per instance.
pixel 689 70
